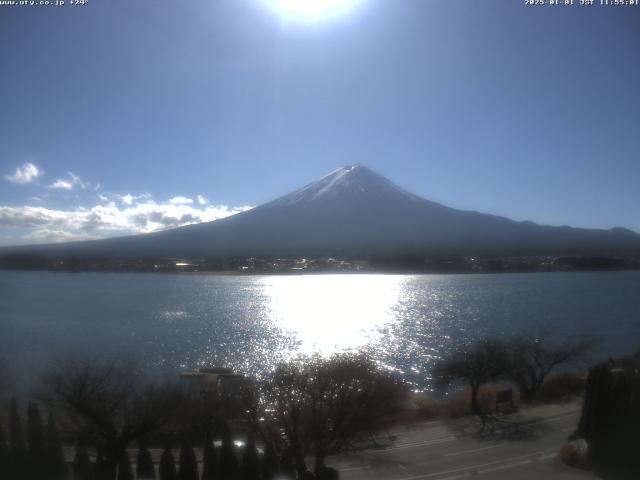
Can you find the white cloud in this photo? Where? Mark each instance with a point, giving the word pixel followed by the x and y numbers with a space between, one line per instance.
pixel 61 185
pixel 46 235
pixel 107 219
pixel 78 181
pixel 27 173
pixel 202 200
pixel 181 201
pixel 127 199
pixel 70 183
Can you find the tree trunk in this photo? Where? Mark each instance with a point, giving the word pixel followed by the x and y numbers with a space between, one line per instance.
pixel 113 454
pixel 475 406
pixel 527 395
pixel 319 463
pixel 301 466
pixel 109 468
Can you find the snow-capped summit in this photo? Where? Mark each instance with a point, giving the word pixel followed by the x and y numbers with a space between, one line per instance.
pixel 351 181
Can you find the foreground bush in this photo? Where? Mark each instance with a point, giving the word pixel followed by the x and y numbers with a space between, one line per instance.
pixel 532 359
pixel 319 407
pixel 474 365
pixel 562 388
pixel 610 419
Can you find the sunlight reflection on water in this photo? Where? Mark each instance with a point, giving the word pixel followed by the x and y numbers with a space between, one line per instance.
pixel 329 313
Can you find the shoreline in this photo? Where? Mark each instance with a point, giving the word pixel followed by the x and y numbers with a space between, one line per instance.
pixel 237 273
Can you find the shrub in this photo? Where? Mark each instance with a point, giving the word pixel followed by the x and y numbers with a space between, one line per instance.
pixel 56 463
pixel 144 463
pixel 17 443
pixel 610 421
pixel 188 463
pixel 210 462
pixel 475 365
pixel 168 466
pixel 229 468
pixel 4 452
pixel 82 466
pixel 270 463
pixel 562 387
pixel 250 462
pixel 124 468
pixel 326 406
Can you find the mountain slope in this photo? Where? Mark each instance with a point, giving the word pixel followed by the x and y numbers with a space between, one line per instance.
pixel 354 211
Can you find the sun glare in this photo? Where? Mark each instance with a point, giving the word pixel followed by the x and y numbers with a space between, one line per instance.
pixel 329 313
pixel 310 10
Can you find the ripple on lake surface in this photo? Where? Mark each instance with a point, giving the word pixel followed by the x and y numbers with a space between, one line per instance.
pixel 252 322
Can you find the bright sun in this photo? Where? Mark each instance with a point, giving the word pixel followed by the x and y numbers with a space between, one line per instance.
pixel 310 10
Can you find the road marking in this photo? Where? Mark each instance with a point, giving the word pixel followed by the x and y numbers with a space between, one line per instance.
pixel 441 440
pixel 540 458
pixel 476 467
pixel 556 418
pixel 456 477
pixel 432 422
pixel 455 437
pixel 505 467
pixel 352 469
pixel 473 450
pixel 547 457
pixel 431 475
pixel 436 441
pixel 467 471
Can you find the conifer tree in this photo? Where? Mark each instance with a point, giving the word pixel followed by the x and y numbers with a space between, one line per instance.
pixel 188 463
pixel 4 452
pixel 124 467
pixel 270 463
pixel 250 461
pixel 82 466
pixel 56 463
pixel 17 445
pixel 168 466
pixel 144 463
pixel 210 462
pixel 229 468
pixel 101 470
pixel 37 452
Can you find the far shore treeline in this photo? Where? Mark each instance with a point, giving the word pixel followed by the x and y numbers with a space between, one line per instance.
pixel 405 263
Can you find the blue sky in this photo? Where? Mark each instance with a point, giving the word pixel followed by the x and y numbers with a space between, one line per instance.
pixel 117 115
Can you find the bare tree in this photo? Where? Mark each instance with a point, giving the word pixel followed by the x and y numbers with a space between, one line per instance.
pixel 532 359
pixel 320 407
pixel 108 404
pixel 475 365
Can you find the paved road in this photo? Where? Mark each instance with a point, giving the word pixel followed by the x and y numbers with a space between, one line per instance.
pixel 451 450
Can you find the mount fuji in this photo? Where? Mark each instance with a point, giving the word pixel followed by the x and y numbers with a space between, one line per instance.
pixel 353 211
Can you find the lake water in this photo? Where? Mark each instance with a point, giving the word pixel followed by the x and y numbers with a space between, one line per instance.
pixel 171 322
